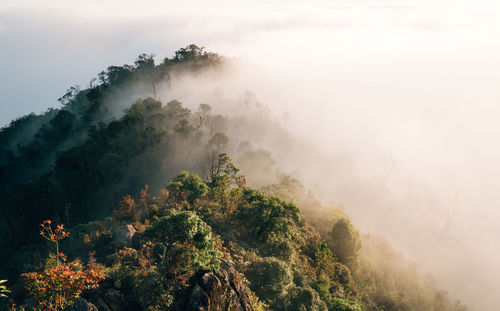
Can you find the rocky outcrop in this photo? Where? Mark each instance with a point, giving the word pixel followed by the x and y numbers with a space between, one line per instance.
pixel 122 235
pixel 82 304
pixel 109 299
pixel 225 289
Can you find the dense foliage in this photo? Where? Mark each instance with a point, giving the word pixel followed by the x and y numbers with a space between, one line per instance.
pixel 58 287
pixel 100 166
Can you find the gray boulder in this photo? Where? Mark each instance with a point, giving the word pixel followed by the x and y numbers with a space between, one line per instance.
pixel 122 235
pixel 110 299
pixel 82 305
pixel 220 290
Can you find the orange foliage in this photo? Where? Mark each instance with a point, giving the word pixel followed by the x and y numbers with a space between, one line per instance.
pixel 125 208
pixel 58 287
pixel 54 236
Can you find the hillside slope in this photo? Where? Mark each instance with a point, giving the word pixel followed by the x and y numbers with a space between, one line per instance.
pixel 150 194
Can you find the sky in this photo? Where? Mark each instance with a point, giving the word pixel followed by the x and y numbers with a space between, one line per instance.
pixel 415 82
pixel 49 46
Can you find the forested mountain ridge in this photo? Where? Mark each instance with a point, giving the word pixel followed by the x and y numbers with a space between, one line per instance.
pixel 152 194
pixel 39 153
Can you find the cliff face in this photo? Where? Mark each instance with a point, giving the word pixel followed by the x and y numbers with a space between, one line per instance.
pixel 224 289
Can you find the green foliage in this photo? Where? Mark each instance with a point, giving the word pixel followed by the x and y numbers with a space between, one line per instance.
pixel 304 299
pixel 257 305
pixel 339 304
pixel 345 241
pixel 3 289
pixel 269 278
pixel 188 186
pixel 140 280
pixel 188 232
pixel 279 247
pixel 176 247
pixel 144 283
pixel 269 217
pixel 322 285
pixel 219 164
pixel 78 162
pixel 332 273
pixel 152 291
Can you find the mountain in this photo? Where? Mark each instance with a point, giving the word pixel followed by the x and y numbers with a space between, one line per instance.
pixel 170 208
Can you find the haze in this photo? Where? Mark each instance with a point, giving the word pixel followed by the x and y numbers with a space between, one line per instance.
pixel 401 96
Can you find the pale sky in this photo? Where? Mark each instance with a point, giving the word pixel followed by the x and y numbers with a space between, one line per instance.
pixel 48 46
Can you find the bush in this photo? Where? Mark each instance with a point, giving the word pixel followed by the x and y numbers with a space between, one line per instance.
pixel 339 304
pixel 269 277
pixel 279 247
pixel 335 274
pixel 304 299
pixel 269 217
pixel 186 235
pixel 345 241
pixel 187 186
pixel 58 287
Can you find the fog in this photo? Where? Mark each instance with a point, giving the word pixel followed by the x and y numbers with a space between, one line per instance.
pixel 397 99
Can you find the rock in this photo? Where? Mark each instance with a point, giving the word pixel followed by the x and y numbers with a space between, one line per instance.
pixel 220 290
pixel 115 300
pixel 101 305
pixel 123 235
pixel 110 299
pixel 82 305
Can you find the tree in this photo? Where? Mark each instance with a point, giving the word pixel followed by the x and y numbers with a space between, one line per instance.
pixel 269 277
pixel 269 216
pixel 70 95
pixel 205 108
pixel 345 242
pixel 187 186
pixel 304 298
pixel 58 287
pixel 219 140
pixel 340 304
pixel 219 164
pixel 338 274
pixel 190 234
pixel 126 208
pixel 54 236
pixel 175 110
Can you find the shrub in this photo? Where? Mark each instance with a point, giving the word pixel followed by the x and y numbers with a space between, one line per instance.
pixel 268 217
pixel 345 241
pixel 256 303
pixel 186 235
pixel 269 278
pixel 187 186
pixel 339 304
pixel 337 275
pixel 58 287
pixel 304 299
pixel 60 284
